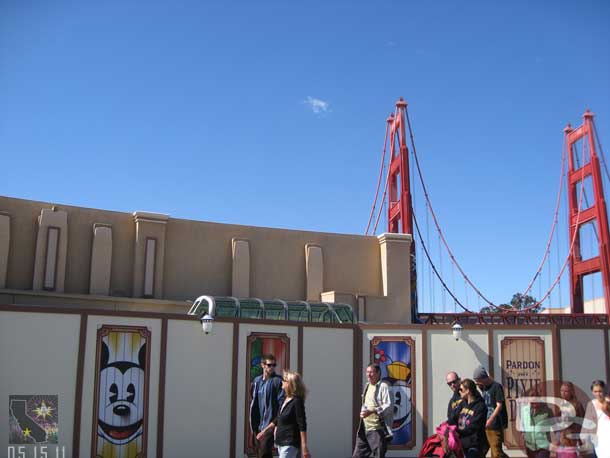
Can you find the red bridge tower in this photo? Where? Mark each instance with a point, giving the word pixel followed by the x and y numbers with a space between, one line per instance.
pixel 595 214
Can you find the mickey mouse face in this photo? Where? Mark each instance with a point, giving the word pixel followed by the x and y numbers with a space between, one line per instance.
pixel 402 403
pixel 121 398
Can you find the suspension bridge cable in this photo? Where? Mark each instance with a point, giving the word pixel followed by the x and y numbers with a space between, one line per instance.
pixel 571 250
pixel 381 209
pixel 430 290
pixel 559 241
pixel 440 262
pixel 457 301
pixel 387 181
pixel 453 259
pixel 425 190
pixel 414 261
pixel 548 271
pixel 368 225
pixel 555 218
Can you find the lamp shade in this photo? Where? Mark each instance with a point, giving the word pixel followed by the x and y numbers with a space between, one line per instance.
pixel 457 330
pixel 207 322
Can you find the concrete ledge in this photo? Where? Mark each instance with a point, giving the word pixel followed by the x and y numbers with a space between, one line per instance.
pixel 391 237
pixel 43 298
pixel 150 217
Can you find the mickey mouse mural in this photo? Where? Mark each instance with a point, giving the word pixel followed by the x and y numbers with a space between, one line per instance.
pixel 395 356
pixel 121 390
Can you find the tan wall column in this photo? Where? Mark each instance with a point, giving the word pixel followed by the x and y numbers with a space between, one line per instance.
pixel 395 277
pixel 314 268
pixel 51 251
pixel 149 254
pixel 5 239
pixel 240 280
pixel 101 260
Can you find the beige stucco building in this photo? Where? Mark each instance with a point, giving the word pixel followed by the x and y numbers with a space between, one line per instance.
pixel 80 251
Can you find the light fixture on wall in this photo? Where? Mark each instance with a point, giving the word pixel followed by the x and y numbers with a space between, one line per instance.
pixel 457 330
pixel 207 323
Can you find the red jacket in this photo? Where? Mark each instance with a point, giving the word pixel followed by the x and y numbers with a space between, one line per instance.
pixel 443 444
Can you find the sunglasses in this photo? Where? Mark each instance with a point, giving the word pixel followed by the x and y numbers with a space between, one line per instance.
pixel 453 382
pixel 270 364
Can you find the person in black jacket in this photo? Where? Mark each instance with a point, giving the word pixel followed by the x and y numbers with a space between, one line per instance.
pixel 455 403
pixel 290 423
pixel 471 421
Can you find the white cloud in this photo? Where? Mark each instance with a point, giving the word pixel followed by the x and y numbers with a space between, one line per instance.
pixel 317 105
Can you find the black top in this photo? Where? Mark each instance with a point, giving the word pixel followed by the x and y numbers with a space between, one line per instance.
pixel 453 408
pixel 290 421
pixel 471 426
pixel 493 394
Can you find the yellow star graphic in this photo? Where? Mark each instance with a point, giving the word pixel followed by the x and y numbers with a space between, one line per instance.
pixel 27 432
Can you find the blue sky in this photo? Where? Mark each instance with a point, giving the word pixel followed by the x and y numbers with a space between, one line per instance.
pixel 203 110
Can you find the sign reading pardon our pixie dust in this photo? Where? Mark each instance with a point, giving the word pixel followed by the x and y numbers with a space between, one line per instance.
pixel 523 368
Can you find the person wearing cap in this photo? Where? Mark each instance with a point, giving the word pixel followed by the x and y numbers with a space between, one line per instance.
pixel 497 416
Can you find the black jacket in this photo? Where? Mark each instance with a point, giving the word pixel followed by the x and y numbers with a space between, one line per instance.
pixel 453 408
pixel 290 421
pixel 471 426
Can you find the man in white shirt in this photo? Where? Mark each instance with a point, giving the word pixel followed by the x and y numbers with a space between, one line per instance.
pixel 375 416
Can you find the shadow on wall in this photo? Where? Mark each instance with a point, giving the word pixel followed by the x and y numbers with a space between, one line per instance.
pixel 480 354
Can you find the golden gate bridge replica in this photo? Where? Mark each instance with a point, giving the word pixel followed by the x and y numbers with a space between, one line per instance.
pixel 581 176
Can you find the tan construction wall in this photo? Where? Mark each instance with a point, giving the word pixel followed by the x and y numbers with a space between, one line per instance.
pixel 24 214
pixel 197 255
pixel 277 260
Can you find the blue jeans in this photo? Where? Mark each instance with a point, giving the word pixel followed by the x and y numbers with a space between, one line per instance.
pixel 288 451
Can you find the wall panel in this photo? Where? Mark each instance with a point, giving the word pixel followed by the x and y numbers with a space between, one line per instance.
pixel 328 375
pixel 93 324
pixel 38 357
pixel 582 356
pixel 416 335
pixel 244 331
pixel 197 393
pixel 447 354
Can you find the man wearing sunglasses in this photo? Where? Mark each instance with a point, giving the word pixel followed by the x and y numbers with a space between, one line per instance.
pixel 455 403
pixel 267 398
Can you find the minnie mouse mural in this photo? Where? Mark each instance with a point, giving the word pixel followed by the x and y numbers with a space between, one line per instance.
pixel 121 390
